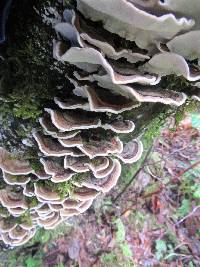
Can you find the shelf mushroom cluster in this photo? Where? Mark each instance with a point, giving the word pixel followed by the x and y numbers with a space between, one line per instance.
pixel 81 142
pixel 163 39
pixel 88 166
pixel 79 149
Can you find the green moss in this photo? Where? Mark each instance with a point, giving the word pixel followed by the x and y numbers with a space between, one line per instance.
pixel 32 202
pixel 189 106
pixel 35 165
pixel 67 188
pixel 154 127
pixel 29 77
pixel 24 218
pixel 4 113
pixel 64 189
pixel 13 157
pixel 176 83
pixel 31 154
pixel 23 132
pixel 79 177
pixel 28 108
pixel 16 178
pixel 4 212
pixel 96 161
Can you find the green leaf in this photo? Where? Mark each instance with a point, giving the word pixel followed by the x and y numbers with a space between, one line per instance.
pixel 126 250
pixel 196 193
pixel 170 255
pixel 42 236
pixel 195 119
pixel 121 233
pixel 191 264
pixel 45 237
pixel 30 262
pixel 161 248
pixel 161 245
pixel 184 208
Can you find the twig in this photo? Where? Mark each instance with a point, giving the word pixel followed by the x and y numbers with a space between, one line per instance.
pixel 178 255
pixel 189 168
pixel 187 216
pixel 164 158
pixel 180 245
pixel 128 184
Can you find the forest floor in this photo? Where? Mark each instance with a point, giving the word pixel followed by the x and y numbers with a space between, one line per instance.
pixel 150 219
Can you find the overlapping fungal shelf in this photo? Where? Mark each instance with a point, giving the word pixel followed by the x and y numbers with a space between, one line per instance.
pixel 79 148
pixel 81 144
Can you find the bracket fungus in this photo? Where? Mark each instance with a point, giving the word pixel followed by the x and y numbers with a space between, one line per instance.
pixel 133 23
pixel 12 164
pixel 121 52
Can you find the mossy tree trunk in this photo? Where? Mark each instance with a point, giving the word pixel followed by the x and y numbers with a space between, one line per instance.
pixel 31 78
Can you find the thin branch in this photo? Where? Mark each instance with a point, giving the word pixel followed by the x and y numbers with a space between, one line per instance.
pixel 164 158
pixel 189 168
pixel 137 172
pixel 187 216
